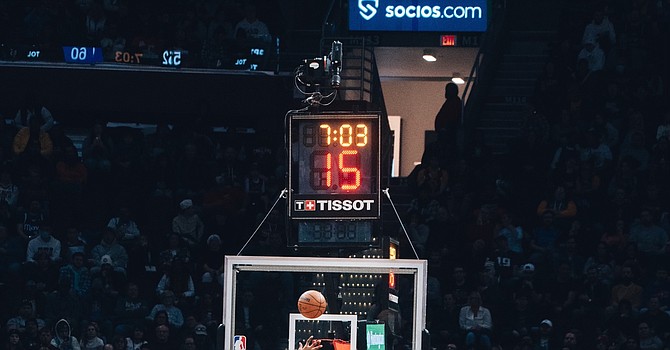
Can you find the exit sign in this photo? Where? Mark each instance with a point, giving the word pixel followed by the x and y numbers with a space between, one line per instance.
pixel 447 40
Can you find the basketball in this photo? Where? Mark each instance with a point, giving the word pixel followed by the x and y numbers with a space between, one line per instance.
pixel 312 304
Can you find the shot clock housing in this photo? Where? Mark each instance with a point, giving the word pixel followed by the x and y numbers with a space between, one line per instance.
pixel 334 177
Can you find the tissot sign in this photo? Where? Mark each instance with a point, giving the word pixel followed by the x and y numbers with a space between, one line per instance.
pixel 356 206
pixel 418 15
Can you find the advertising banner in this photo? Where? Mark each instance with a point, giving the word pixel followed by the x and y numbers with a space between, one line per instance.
pixel 418 15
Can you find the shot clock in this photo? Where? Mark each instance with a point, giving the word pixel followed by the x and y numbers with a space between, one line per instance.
pixel 334 184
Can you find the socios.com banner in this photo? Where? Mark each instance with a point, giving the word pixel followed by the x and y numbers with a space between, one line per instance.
pixel 418 15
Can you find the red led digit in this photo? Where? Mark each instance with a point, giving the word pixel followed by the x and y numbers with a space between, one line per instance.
pixel 350 175
pixel 321 177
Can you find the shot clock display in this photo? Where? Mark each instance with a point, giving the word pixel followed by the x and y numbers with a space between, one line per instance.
pixel 334 183
pixel 334 172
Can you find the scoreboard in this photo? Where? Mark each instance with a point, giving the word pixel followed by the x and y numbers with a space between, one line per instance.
pixel 247 55
pixel 334 177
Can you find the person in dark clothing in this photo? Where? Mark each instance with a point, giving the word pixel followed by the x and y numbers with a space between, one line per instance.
pixel 449 117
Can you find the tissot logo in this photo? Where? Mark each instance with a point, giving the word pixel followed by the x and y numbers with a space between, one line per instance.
pixel 306 205
pixel 367 10
pixel 333 205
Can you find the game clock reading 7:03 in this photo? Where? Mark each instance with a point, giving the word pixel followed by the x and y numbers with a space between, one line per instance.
pixel 334 171
pixel 128 57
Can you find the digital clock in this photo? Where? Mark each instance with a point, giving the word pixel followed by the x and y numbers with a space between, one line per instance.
pixel 172 58
pixel 334 231
pixel 82 54
pixel 334 170
pixel 128 57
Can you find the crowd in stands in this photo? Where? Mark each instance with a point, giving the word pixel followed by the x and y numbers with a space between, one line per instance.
pixel 120 239
pixel 207 32
pixel 562 243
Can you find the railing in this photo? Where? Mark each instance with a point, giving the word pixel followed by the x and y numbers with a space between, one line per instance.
pixel 490 44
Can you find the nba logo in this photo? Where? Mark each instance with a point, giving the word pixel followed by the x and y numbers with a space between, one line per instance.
pixel 240 342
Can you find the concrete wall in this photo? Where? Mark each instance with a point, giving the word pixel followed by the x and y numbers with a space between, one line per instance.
pixel 417 102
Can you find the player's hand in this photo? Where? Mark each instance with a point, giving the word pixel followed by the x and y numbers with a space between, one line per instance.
pixel 310 344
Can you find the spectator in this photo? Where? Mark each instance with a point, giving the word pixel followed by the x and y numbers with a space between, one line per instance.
pixel 257 199
pixel 179 281
pixel 90 339
pixel 72 244
pixel 449 116
pixel 11 255
pixel 175 317
pixel 593 55
pixel 43 272
pixel 71 171
pixel 189 343
pixel 25 313
pixel 570 341
pixel 650 238
pixel 562 291
pixel 61 303
pixel 459 285
pixel 475 320
pixel 176 249
pixel 78 275
pixel 559 205
pixel 125 227
pixel 600 30
pixel 14 340
pixel 98 149
pixel 546 339
pixel 31 336
pixel 636 151
pixel 657 319
pixel 129 311
pixel 596 150
pixel 9 192
pixel 545 237
pixel 118 343
pixel 137 339
pixel 212 262
pixel 659 286
pixel 32 109
pixel 250 27
pixel 33 140
pixel 201 339
pixel 519 321
pixel 648 340
pixel 29 222
pixel 162 339
pixel 109 251
pixel 445 327
pixel 187 224
pixel 63 340
pixel 44 243
pixel 45 339
pixel 627 289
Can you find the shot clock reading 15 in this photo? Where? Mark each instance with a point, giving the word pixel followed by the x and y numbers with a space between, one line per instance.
pixel 335 164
